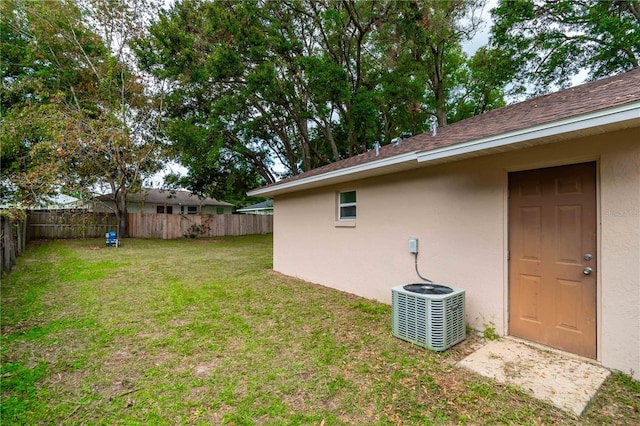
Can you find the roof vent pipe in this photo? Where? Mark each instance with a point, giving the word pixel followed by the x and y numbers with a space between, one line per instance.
pixel 434 126
pixel 377 148
pixel 403 136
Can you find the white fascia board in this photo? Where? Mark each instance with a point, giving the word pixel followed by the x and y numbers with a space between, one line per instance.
pixel 329 176
pixel 255 210
pixel 599 118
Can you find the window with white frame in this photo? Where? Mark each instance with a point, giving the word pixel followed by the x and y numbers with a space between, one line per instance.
pixel 188 209
pixel 347 205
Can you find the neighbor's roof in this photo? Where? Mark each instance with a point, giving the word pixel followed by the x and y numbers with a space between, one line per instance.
pixel 58 199
pixel 265 205
pixel 169 197
pixel 596 107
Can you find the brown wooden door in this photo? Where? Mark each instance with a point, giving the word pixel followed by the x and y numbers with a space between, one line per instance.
pixel 552 232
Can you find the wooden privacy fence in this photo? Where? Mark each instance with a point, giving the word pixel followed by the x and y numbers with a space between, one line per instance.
pixel 69 224
pixel 16 230
pixel 13 239
pixel 172 226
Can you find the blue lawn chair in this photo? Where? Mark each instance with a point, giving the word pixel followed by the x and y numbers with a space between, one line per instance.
pixel 112 239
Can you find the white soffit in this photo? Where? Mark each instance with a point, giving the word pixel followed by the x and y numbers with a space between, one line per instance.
pixel 534 135
pixel 590 123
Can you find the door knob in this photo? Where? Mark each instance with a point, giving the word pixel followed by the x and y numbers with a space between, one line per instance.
pixel 587 270
pixel 588 256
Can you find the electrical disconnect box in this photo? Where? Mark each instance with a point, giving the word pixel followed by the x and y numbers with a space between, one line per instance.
pixel 413 245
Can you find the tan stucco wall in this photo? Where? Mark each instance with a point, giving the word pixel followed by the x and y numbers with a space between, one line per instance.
pixel 620 256
pixel 458 213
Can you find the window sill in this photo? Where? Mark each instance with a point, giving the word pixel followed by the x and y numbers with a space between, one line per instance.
pixel 345 224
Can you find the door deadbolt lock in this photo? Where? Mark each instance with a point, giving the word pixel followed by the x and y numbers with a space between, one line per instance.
pixel 588 256
pixel 587 271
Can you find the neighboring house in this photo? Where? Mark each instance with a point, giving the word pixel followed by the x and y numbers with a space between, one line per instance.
pixel 58 202
pixel 533 209
pixel 167 202
pixel 54 202
pixel 263 208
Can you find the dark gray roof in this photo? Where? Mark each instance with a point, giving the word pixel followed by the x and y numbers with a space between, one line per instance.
pixel 265 205
pixel 172 197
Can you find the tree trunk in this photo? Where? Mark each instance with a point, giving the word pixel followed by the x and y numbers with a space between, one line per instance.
pixel 123 222
pixel 438 85
pixel 121 213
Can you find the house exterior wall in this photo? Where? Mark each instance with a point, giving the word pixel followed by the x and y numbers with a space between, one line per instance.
pixel 134 207
pixel 140 208
pixel 214 209
pixel 620 256
pixel 458 211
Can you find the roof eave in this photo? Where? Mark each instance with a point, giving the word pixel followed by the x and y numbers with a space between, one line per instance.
pixel 254 210
pixel 624 116
pixel 373 168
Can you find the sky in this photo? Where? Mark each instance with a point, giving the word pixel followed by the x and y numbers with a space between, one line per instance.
pixel 481 37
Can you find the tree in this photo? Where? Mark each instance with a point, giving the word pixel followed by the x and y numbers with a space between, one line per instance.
pixel 549 42
pixel 75 113
pixel 38 71
pixel 212 56
pixel 483 79
pixel 302 83
pixel 429 35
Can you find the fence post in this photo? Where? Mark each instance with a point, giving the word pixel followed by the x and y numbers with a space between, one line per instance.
pixel 19 237
pixel 25 237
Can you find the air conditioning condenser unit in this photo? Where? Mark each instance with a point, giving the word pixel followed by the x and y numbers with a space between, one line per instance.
pixel 429 315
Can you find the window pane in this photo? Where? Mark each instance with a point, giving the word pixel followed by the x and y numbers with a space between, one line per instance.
pixel 192 209
pixel 348 197
pixel 159 209
pixel 219 210
pixel 169 209
pixel 348 212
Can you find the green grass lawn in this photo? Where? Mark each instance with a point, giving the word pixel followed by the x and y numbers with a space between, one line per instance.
pixel 203 332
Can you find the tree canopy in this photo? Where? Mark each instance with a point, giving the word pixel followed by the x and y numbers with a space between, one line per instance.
pixel 75 114
pixel 549 42
pixel 303 83
pixel 244 92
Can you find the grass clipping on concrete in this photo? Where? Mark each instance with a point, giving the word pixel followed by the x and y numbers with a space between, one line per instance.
pixel 203 332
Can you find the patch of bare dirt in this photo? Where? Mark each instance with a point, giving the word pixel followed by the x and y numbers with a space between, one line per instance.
pixel 119 357
pixel 204 369
pixel 451 384
pixel 295 402
pixel 70 381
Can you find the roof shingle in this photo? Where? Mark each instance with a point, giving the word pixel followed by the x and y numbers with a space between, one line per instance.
pixel 171 197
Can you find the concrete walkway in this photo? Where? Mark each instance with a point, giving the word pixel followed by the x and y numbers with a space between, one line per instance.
pixel 568 382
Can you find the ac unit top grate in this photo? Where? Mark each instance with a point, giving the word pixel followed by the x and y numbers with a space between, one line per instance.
pixel 428 288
